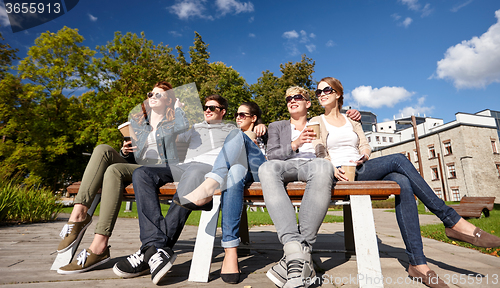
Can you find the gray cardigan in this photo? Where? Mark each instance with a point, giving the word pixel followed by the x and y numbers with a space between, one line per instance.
pixel 279 144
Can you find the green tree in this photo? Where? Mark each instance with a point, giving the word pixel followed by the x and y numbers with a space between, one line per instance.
pixel 42 129
pixel 269 91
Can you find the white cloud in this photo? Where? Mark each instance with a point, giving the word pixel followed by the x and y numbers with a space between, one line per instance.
pixel 330 43
pixel 311 47
pixel 251 35
pixel 406 22
pixel 460 6
pixel 417 7
pixel 233 6
pixel 418 109
pixel 92 17
pixel 290 34
pixel 474 63
pixel 185 9
pixel 251 19
pixel 312 35
pixel 378 97
pixel 175 33
pixel 396 16
pixel 4 18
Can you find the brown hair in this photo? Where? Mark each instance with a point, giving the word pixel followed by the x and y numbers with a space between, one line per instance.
pixel 219 99
pixel 254 110
pixel 169 111
pixel 337 86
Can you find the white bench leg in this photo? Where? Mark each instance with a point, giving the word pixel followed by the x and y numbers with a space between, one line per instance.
pixel 63 259
pixel 367 255
pixel 204 245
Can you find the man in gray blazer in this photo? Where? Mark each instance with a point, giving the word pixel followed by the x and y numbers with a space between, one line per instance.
pixel 291 158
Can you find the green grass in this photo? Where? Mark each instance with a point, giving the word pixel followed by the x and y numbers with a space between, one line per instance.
pixel 255 218
pixel 490 224
pixel 22 203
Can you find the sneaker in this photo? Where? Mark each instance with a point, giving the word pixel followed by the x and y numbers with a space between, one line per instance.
pixel 277 273
pixel 85 261
pixel 160 260
pixel 133 266
pixel 299 266
pixel 73 232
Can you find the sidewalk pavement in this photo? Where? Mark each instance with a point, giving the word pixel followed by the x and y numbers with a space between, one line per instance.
pixel 27 253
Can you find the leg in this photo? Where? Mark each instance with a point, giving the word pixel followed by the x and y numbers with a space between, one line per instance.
pixel 237 149
pixel 318 173
pixel 273 176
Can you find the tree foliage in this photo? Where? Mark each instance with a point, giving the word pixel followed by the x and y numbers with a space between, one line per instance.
pixel 67 98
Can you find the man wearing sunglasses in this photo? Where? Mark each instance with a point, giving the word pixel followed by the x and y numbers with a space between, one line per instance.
pixel 291 158
pixel 158 234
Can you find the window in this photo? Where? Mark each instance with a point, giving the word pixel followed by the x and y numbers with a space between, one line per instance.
pixel 377 138
pixel 432 152
pixel 434 173
pixel 494 146
pixel 447 147
pixel 391 140
pixel 369 139
pixel 415 155
pixel 455 194
pixel 438 192
pixel 384 139
pixel 498 168
pixel 451 170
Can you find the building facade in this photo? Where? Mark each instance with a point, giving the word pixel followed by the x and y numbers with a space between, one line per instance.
pixel 459 158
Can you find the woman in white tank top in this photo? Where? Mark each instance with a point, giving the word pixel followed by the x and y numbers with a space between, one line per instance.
pixel 345 142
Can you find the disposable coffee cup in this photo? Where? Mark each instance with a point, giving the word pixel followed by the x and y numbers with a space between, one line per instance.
pixel 125 130
pixel 251 135
pixel 315 127
pixel 350 171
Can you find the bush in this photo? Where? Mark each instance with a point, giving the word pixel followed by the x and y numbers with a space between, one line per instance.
pixel 27 203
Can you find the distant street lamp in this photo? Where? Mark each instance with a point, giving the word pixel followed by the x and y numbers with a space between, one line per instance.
pixel 413 123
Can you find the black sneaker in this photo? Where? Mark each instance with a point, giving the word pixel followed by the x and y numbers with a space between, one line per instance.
pixel 160 260
pixel 133 266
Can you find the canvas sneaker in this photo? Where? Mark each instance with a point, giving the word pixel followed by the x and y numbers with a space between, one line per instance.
pixel 160 260
pixel 85 261
pixel 277 273
pixel 133 266
pixel 299 265
pixel 73 232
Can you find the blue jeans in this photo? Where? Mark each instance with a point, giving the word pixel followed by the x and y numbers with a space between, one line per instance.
pixel 275 174
pixel 156 230
pixel 237 165
pixel 398 168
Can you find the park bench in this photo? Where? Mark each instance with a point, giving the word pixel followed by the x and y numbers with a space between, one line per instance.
pixel 474 207
pixel 360 239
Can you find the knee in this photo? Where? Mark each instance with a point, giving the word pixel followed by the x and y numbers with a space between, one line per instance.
pixel 399 158
pixel 269 169
pixel 113 171
pixel 102 149
pixel 322 168
pixel 140 175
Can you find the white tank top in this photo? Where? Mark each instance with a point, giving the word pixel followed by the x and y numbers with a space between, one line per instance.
pixel 151 147
pixel 342 143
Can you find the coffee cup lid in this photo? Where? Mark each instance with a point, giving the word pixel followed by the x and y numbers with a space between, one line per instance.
pixel 312 123
pixel 123 125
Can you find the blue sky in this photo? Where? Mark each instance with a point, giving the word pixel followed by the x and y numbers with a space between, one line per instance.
pixel 393 56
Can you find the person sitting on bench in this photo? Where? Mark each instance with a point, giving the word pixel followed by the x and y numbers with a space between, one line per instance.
pixel 159 234
pixel 346 143
pixel 110 170
pixel 291 158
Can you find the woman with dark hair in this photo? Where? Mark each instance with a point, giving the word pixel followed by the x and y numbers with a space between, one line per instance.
pixel 154 127
pixel 346 143
pixel 237 165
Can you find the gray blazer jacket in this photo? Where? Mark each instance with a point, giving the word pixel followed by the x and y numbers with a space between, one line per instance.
pixel 279 144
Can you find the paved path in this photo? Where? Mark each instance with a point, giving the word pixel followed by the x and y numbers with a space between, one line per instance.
pixel 27 252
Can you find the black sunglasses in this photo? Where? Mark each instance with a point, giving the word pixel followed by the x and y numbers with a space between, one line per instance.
pixel 211 107
pixel 297 97
pixel 327 90
pixel 157 95
pixel 242 115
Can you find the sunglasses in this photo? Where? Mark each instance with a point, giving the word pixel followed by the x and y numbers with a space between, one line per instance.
pixel 327 90
pixel 211 107
pixel 242 115
pixel 297 97
pixel 157 95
